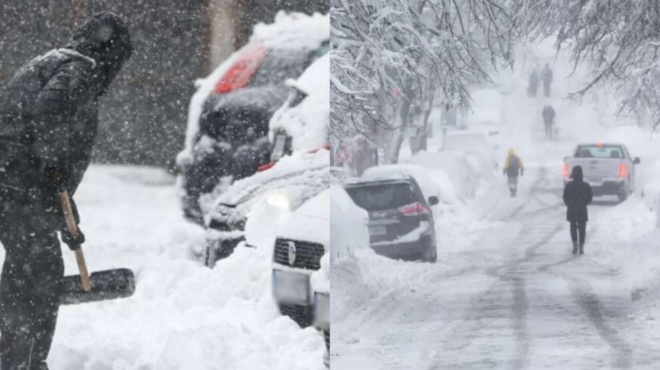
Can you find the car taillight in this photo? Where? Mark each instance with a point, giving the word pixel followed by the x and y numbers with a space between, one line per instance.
pixel 266 166
pixel 240 73
pixel 623 170
pixel 564 170
pixel 414 209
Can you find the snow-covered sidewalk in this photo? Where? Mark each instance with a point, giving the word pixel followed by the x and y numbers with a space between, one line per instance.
pixel 183 315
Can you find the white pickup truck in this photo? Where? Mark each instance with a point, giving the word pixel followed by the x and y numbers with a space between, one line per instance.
pixel 608 168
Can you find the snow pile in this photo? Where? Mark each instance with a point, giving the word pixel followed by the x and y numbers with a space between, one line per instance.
pixel 183 315
pixel 349 225
pixel 454 174
pixel 293 31
pixel 308 122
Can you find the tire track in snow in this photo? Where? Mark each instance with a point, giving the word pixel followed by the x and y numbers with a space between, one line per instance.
pixel 594 309
pixel 486 307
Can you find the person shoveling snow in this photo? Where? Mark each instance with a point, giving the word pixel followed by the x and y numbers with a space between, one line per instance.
pixel 48 125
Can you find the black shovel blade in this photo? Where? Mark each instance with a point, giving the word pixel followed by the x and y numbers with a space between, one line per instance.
pixel 106 285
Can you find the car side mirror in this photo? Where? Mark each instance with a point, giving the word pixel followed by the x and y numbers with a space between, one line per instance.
pixel 637 160
pixel 433 200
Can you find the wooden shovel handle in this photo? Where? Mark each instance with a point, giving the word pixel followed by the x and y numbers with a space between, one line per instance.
pixel 72 228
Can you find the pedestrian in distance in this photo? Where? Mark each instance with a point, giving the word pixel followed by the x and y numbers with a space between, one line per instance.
pixel 534 82
pixel 48 125
pixel 548 114
pixel 513 167
pixel 577 195
pixel 546 76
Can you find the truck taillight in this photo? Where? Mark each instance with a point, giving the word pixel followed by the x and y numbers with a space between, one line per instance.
pixel 414 209
pixel 564 170
pixel 623 170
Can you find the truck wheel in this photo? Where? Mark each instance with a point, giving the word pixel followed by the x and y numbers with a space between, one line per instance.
pixel 623 196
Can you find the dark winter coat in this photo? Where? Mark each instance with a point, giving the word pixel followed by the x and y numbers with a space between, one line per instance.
pixel 548 114
pixel 577 195
pixel 49 111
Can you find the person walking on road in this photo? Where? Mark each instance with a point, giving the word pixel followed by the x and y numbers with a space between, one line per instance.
pixel 548 114
pixel 546 76
pixel 48 125
pixel 533 83
pixel 577 195
pixel 513 167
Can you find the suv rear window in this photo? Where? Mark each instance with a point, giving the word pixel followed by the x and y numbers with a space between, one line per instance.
pixel 280 65
pixel 599 151
pixel 382 196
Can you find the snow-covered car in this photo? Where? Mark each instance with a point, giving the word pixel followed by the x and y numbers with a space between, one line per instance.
pixel 301 244
pixel 228 119
pixel 398 199
pixel 476 145
pixel 299 167
pixel 608 168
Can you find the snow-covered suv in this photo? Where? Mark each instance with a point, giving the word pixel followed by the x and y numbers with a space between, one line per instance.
pixel 399 199
pixel 229 115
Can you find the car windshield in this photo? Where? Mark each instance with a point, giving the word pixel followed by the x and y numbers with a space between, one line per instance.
pixel 382 196
pixel 599 151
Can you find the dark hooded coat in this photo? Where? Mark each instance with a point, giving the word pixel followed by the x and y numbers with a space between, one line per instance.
pixel 49 113
pixel 577 195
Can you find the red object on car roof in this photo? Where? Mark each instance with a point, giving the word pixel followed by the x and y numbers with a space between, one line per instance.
pixel 240 73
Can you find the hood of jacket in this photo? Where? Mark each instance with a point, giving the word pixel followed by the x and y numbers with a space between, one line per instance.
pixel 104 38
pixel 576 174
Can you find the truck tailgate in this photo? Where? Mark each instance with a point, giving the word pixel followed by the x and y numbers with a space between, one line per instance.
pixel 596 169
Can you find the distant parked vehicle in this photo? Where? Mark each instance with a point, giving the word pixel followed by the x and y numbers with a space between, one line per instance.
pixel 401 223
pixel 608 168
pixel 229 114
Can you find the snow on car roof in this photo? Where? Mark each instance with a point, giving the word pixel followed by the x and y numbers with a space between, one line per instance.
pixel 307 123
pixel 293 31
pixel 402 171
pixel 288 31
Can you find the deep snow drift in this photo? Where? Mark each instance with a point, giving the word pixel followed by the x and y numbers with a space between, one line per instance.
pixel 183 315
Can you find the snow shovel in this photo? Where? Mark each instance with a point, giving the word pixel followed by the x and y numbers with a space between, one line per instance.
pixel 99 286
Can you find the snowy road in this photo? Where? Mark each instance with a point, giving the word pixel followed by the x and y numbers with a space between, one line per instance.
pixel 516 299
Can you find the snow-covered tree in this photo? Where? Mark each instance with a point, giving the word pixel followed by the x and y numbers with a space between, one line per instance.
pixel 389 55
pixel 619 39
